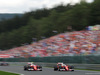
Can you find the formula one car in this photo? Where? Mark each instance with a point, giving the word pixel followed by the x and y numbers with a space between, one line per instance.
pixel 63 67
pixel 4 64
pixel 32 67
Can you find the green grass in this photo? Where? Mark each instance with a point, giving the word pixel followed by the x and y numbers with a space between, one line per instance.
pixel 7 73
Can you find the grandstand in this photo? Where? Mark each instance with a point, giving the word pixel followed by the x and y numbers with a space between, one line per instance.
pixel 64 44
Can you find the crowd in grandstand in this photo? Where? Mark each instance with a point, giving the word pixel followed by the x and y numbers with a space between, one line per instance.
pixel 64 44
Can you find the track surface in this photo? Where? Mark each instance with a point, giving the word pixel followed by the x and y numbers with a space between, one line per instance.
pixel 46 71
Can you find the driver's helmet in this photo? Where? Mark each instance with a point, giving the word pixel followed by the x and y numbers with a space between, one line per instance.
pixel 64 65
pixel 30 63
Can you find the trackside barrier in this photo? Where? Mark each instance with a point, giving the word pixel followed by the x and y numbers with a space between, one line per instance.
pixel 66 59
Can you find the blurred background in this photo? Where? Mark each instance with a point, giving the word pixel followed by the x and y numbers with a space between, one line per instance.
pixel 67 33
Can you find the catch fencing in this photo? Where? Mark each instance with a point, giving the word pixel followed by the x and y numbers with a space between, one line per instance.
pixel 91 59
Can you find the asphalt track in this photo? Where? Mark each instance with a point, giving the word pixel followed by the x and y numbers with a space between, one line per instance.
pixel 46 71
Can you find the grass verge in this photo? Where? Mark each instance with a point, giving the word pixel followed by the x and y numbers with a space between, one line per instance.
pixel 7 73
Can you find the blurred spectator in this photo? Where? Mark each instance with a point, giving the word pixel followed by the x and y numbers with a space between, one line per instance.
pixel 64 44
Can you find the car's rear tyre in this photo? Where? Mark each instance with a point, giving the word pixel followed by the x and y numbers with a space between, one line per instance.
pixel 25 69
pixel 41 70
pixel 72 70
pixel 55 68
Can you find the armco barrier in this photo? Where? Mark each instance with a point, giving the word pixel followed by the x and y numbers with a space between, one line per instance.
pixel 66 59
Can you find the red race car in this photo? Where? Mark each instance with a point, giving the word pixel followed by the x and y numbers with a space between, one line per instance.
pixel 32 67
pixel 63 67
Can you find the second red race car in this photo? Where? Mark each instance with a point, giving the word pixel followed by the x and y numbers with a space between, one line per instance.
pixel 63 67
pixel 32 67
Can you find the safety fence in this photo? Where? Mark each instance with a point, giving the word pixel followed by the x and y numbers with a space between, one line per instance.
pixel 91 59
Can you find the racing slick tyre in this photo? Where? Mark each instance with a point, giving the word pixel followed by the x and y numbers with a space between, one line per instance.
pixel 25 68
pixel 72 70
pixel 55 68
pixel 41 70
pixel 39 67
